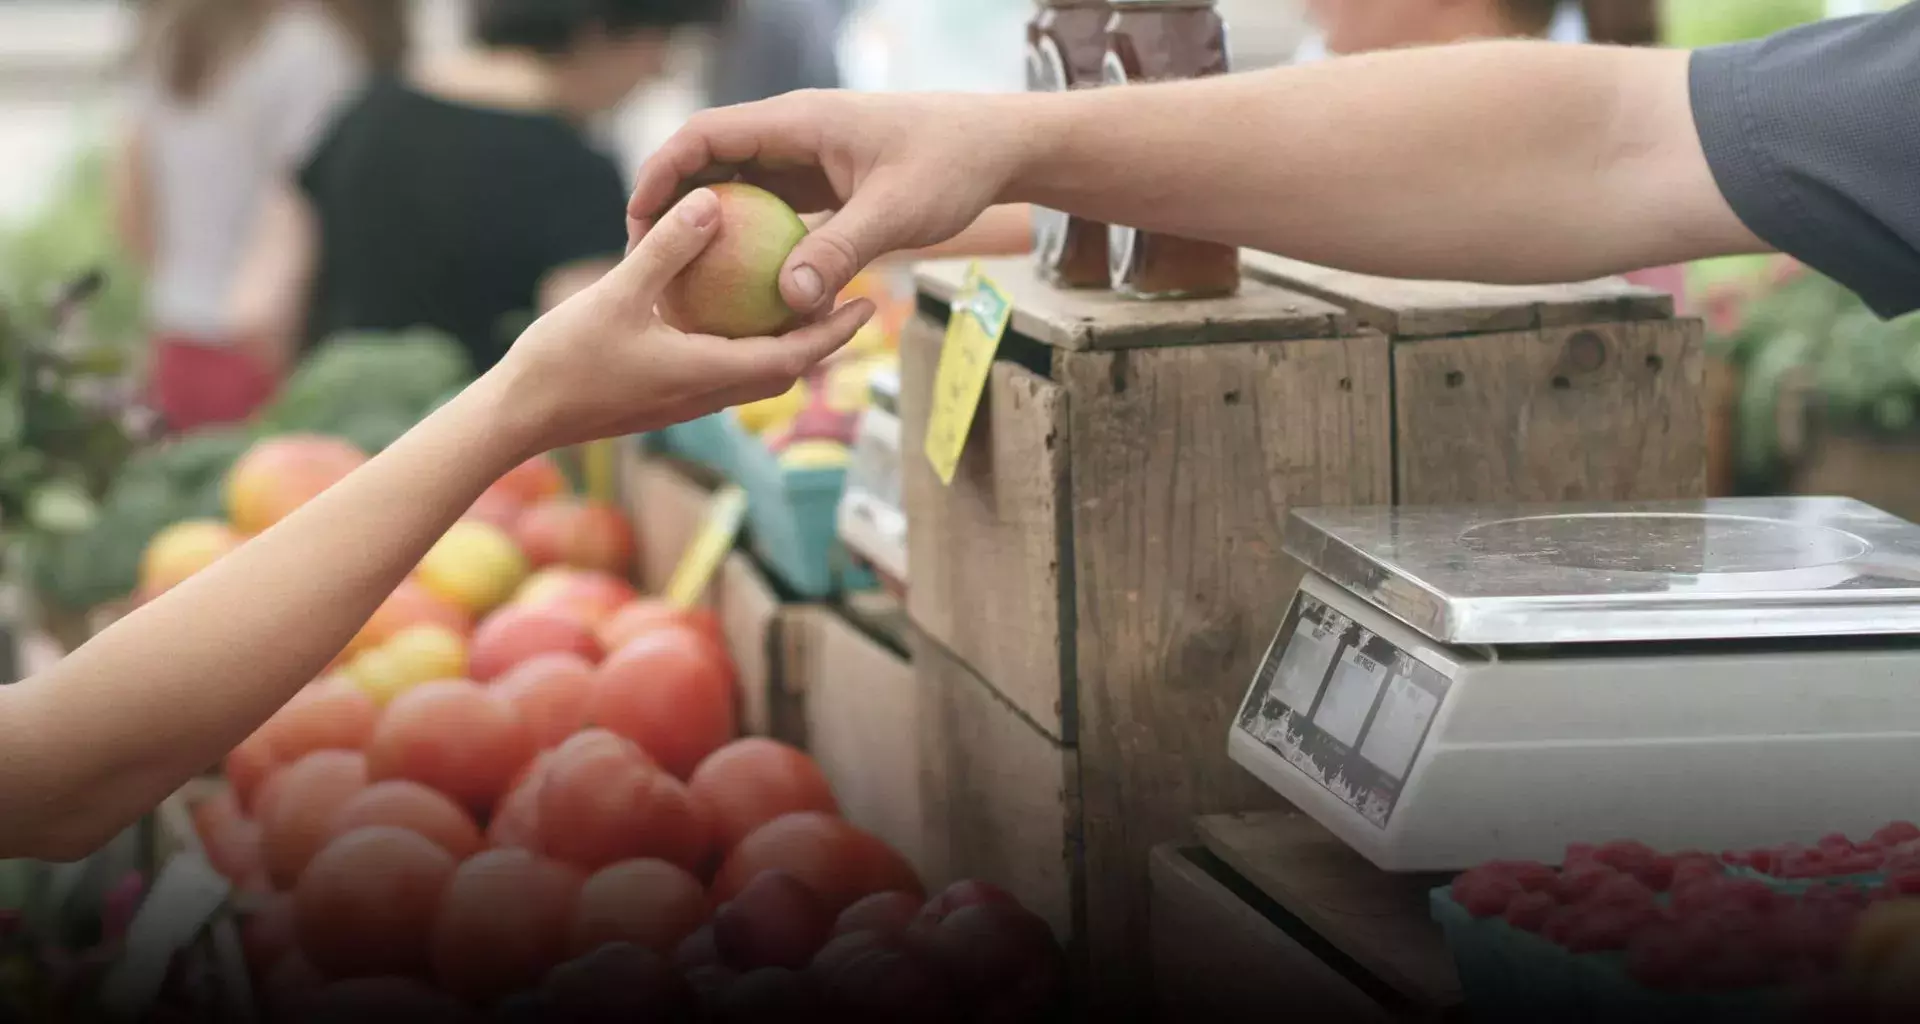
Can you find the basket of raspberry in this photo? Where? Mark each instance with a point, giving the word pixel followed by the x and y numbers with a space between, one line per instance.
pixel 1622 932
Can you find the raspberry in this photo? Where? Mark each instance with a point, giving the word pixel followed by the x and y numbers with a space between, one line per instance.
pixel 1834 843
pixel 1529 911
pixel 1627 856
pixel 1483 893
pixel 1893 834
pixel 1621 891
pixel 1599 929
pixel 1577 881
pixel 1662 956
pixel 1531 875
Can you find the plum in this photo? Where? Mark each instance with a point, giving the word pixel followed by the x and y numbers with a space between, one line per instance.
pixel 776 921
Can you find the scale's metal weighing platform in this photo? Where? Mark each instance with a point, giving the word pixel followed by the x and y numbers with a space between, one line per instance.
pixel 1452 686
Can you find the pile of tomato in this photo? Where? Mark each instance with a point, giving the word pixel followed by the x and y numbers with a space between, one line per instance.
pixel 1703 922
pixel 586 837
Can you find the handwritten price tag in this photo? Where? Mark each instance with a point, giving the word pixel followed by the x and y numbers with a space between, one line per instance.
pixel 695 571
pixel 980 315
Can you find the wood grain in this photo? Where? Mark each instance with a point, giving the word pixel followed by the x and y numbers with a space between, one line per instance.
pixel 988 552
pixel 1431 309
pixel 1884 473
pixel 751 620
pixel 1080 320
pixel 1000 797
pixel 1217 959
pixel 1608 412
pixel 667 506
pixel 1185 462
pixel 1379 920
pixel 862 714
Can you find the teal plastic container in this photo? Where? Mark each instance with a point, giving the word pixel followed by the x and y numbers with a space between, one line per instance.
pixel 792 524
pixel 1510 975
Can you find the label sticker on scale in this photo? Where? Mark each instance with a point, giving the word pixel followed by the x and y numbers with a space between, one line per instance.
pixel 1344 706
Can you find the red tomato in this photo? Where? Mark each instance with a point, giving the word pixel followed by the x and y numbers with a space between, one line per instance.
pixel 833 858
pixel 410 805
pixel 666 692
pixel 550 692
pixel 366 905
pixel 497 508
pixel 516 821
pixel 454 736
pixel 752 781
pixel 247 767
pixel 637 618
pixel 235 851
pixel 591 596
pixel 517 633
pixel 503 924
pixel 649 903
pixel 410 605
pixel 536 479
pixel 601 803
pixel 331 714
pixel 298 820
pixel 582 534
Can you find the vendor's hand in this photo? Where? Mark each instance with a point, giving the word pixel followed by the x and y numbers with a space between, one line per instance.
pixel 897 172
pixel 603 364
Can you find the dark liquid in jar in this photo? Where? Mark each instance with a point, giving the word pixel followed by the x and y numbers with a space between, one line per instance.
pixel 1156 42
pixel 1066 49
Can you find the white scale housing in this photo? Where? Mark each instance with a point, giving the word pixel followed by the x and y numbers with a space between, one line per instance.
pixel 1452 686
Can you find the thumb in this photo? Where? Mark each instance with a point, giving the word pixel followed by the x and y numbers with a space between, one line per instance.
pixel 868 227
pixel 665 250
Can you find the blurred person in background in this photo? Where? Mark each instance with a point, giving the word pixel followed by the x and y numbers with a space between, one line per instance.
pixel 227 95
pixel 770 47
pixel 1361 26
pixel 465 195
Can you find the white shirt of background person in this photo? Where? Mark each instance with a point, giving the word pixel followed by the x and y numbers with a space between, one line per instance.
pixel 211 160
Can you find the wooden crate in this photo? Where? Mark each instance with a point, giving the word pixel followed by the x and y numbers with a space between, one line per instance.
pixel 1107 561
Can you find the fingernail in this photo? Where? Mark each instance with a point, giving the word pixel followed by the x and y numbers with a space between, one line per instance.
pixel 806 285
pixel 700 207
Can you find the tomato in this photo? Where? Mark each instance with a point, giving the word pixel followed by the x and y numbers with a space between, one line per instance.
pixel 331 714
pixel 637 618
pixel 411 604
pixel 550 692
pixel 837 860
pixel 236 852
pixel 602 802
pixel 668 693
pixel 299 818
pixel 536 479
pixel 516 633
pixel 516 820
pixel 649 903
pixel 776 921
pixel 367 903
pixel 410 805
pixel 752 781
pixel 588 595
pixel 503 924
pixel 582 534
pixel 455 737
pixel 247 768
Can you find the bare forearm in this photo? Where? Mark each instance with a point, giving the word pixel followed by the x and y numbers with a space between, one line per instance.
pixel 239 639
pixel 1502 162
pixel 1001 231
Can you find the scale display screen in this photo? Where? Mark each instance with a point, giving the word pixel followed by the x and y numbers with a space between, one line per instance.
pixel 1343 705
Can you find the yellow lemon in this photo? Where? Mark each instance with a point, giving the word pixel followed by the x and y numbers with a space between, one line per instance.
pixel 816 455
pixel 476 566
pixel 428 653
pixel 759 417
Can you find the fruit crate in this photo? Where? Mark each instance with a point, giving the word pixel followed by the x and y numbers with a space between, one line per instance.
pixel 792 523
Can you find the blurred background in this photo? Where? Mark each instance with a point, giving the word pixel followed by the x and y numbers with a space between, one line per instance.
pixel 184 149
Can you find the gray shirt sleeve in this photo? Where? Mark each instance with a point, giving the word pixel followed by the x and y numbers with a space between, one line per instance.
pixel 1813 135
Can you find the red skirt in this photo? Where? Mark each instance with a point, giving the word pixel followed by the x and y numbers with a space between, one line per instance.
pixel 196 383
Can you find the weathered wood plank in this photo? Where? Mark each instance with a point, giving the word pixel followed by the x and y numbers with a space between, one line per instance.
pixel 1431 309
pixel 1380 920
pixel 1077 320
pixel 1217 959
pixel 1000 797
pixel 1605 412
pixel 988 552
pixel 1185 463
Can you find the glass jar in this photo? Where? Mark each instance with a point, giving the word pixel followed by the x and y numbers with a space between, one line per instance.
pixel 1160 41
pixel 1066 49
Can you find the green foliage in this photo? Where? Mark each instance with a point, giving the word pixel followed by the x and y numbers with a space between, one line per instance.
pixel 363 385
pixel 1695 23
pixel 71 235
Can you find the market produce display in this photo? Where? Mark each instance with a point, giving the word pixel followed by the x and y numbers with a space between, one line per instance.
pixel 521 792
pixel 1769 934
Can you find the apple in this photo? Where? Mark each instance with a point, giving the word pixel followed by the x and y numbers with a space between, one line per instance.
pixel 732 289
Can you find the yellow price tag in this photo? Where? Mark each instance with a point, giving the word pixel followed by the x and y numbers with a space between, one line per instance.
pixel 695 571
pixel 599 459
pixel 981 313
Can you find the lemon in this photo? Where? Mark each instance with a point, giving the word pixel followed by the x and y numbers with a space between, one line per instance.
pixel 759 417
pixel 816 455
pixel 476 566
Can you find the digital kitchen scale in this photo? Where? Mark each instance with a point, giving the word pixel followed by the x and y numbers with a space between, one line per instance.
pixel 1457 685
